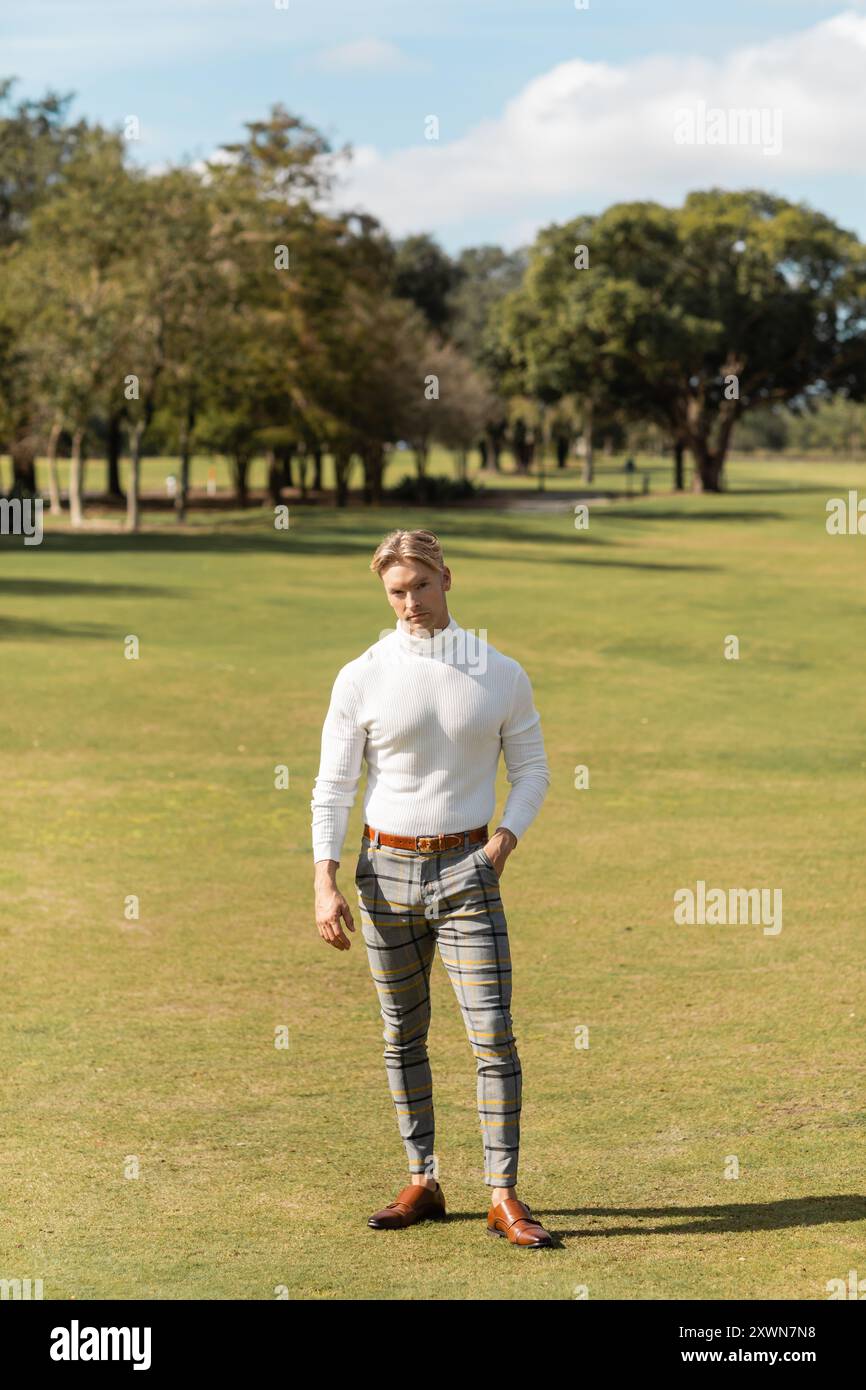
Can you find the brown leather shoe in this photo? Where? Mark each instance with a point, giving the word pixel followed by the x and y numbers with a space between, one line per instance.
pixel 415 1203
pixel 512 1218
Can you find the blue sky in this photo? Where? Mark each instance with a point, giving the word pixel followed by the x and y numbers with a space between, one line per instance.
pixel 544 110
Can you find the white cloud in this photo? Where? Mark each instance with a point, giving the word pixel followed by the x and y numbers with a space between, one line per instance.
pixel 588 132
pixel 364 55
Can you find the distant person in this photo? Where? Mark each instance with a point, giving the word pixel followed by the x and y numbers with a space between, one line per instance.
pixel 430 707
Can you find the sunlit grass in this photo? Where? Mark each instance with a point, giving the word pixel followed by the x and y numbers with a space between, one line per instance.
pixel 153 1039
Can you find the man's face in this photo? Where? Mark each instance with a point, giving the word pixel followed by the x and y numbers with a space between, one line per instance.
pixel 417 595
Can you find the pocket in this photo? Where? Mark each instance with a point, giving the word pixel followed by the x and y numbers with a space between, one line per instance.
pixel 485 859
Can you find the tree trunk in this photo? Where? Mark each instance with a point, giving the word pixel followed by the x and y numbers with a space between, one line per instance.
pixel 275 478
pixel 317 468
pixel 367 483
pixel 133 510
pixel 181 498
pixel 76 479
pixel 679 469
pixel 23 468
pixel 708 467
pixel 710 461
pixel 520 446
pixel 240 467
pixel 342 460
pixel 379 475
pixel 112 458
pixel 373 459
pixel 709 458
pixel 588 469
pixel 561 450
pixel 54 502
pixel 541 440
pixel 495 436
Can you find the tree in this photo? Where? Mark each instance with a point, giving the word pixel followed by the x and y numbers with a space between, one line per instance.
pixel 183 297
pixel 691 316
pixel 486 274
pixel 73 271
pixel 36 144
pixel 449 403
pixel 425 275
pixel 286 269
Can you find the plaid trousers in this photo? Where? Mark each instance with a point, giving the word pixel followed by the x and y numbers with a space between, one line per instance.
pixel 410 901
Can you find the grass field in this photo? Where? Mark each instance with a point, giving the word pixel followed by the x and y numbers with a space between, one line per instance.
pixel 151 1041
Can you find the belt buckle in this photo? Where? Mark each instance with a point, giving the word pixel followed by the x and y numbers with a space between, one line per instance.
pixel 424 843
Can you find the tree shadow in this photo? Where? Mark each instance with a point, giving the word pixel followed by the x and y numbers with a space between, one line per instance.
pixel 646 565
pixel 31 629
pixel 40 588
pixel 335 542
pixel 686 518
pixel 786 490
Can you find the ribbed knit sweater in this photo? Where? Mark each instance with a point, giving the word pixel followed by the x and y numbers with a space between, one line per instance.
pixel 429 715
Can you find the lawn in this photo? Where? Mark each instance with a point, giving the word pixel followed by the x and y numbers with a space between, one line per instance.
pixel 156 1142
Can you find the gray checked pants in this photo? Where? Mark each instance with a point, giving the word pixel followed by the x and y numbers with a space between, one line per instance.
pixel 410 901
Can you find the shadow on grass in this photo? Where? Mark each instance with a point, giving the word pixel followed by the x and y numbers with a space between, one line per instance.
pixel 31 630
pixel 688 517
pixel 796 1212
pixel 41 588
pixel 829 489
pixel 366 532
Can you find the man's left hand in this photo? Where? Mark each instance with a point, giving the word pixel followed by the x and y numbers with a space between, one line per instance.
pixel 499 846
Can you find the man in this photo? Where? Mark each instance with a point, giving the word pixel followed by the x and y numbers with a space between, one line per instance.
pixel 430 709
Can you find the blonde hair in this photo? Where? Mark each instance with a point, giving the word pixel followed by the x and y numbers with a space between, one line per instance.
pixel 408 545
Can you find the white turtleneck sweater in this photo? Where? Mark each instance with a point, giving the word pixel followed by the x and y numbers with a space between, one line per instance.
pixel 430 715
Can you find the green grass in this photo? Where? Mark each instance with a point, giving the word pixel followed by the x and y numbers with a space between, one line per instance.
pixel 154 1038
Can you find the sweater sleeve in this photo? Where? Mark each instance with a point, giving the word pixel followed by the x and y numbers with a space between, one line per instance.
pixel 525 759
pixel 343 742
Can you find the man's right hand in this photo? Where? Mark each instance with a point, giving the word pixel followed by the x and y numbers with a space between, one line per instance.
pixel 331 907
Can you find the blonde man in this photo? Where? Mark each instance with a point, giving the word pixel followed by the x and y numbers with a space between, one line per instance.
pixel 430 708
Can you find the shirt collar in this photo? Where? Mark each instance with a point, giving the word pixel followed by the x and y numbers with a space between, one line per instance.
pixel 440 646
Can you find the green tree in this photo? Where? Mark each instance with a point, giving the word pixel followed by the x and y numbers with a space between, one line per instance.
pixel 36 143
pixel 285 269
pixel 425 275
pixel 692 316
pixel 73 272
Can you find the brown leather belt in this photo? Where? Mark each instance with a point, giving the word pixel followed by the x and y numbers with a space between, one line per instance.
pixel 430 843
